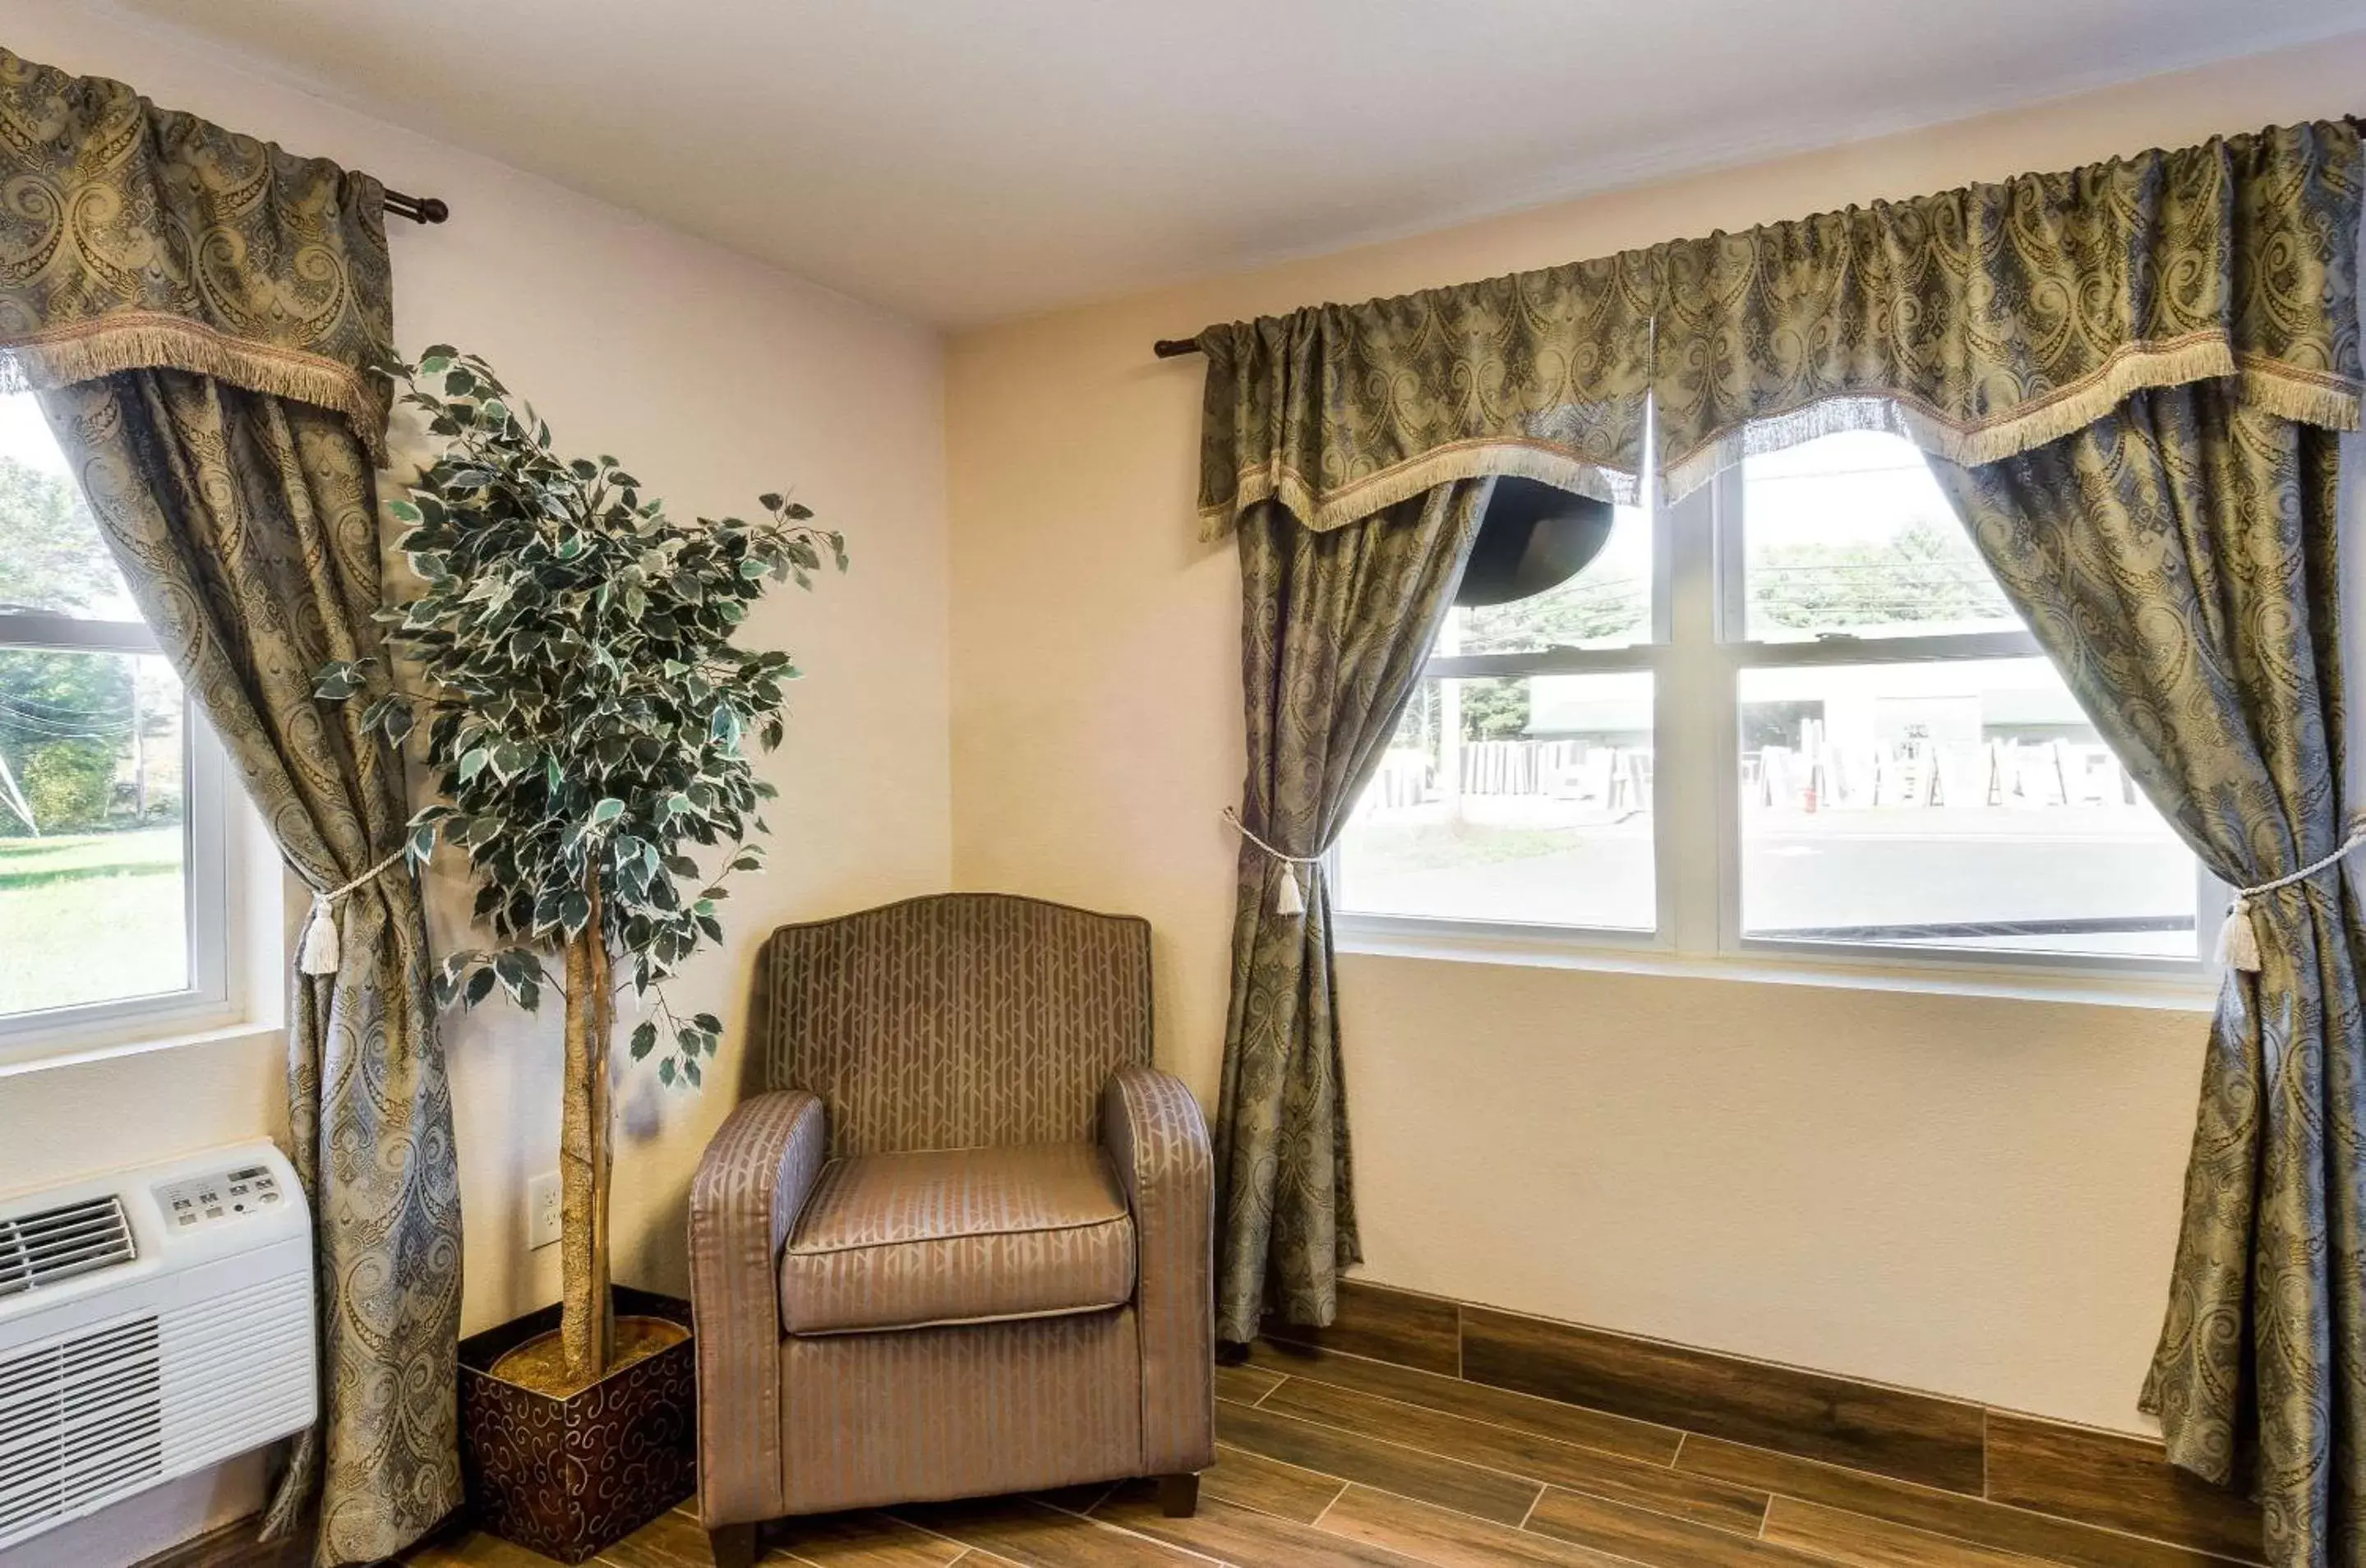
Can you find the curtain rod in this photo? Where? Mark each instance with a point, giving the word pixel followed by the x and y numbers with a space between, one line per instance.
pixel 418 208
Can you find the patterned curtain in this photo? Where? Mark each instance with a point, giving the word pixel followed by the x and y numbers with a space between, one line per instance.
pixel 205 317
pixel 2178 560
pixel 247 527
pixel 1335 627
pixel 1339 411
pixel 1980 323
pixel 1987 321
pixel 137 237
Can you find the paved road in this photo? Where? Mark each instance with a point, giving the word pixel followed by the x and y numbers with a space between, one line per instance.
pixel 1829 871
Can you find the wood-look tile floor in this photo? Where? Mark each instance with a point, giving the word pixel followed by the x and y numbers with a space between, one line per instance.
pixel 1327 1460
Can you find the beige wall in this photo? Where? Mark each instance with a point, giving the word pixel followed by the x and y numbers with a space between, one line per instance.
pixel 717 378
pixel 1966 1194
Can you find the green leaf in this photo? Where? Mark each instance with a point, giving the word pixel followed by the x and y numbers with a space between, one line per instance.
pixel 520 971
pixel 709 1023
pixel 581 690
pixel 644 1039
pixel 665 1072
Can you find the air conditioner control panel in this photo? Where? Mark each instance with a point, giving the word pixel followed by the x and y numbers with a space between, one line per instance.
pixel 219 1197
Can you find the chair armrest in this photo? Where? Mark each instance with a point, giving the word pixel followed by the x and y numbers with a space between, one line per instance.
pixel 751 1182
pixel 1155 1135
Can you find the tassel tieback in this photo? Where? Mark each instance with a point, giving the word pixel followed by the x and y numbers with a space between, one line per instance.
pixel 319 953
pixel 2239 939
pixel 1287 899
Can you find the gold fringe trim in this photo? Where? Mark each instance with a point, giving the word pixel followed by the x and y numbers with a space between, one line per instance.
pixel 86 351
pixel 1477 458
pixel 2137 367
pixel 2303 397
pixel 2073 407
pixel 1775 433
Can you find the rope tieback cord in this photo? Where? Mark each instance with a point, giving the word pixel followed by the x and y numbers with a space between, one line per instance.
pixel 1287 899
pixel 320 952
pixel 2239 939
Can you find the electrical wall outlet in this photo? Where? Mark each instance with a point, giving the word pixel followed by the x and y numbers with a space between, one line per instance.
pixel 542 1210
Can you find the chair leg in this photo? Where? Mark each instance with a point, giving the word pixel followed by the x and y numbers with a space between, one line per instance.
pixel 733 1546
pixel 1178 1496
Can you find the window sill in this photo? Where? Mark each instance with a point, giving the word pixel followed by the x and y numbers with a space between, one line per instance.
pixel 69 1053
pixel 1384 936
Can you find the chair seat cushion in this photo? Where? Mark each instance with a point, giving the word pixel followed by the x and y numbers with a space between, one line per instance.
pixel 957 1236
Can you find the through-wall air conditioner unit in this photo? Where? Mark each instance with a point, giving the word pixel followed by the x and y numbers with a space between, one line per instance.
pixel 153 1322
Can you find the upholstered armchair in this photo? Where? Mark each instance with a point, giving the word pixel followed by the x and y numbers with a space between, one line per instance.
pixel 960 1245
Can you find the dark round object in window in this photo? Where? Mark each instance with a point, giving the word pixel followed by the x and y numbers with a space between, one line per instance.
pixel 1531 537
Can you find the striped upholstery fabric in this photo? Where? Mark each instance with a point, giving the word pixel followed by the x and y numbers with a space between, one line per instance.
pixel 984 1140
pixel 958 1235
pixel 985 1408
pixel 1158 1141
pixel 751 1182
pixel 959 1021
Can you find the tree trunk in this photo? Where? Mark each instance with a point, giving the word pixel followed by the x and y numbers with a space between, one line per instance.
pixel 587 1328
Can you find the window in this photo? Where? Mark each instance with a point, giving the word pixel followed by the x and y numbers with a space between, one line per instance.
pixel 1519 786
pixel 1793 715
pixel 112 898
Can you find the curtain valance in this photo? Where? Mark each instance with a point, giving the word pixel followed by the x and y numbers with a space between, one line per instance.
pixel 1339 411
pixel 1987 321
pixel 133 237
pixel 1980 323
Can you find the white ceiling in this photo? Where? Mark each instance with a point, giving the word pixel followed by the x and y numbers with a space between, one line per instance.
pixel 961 161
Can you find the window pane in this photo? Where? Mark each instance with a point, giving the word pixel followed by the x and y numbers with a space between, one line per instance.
pixel 1851 534
pixel 1964 804
pixel 1524 799
pixel 93 902
pixel 1608 605
pixel 52 556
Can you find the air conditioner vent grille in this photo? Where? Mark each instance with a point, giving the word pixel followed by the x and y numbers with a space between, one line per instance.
pixel 80 1422
pixel 42 1248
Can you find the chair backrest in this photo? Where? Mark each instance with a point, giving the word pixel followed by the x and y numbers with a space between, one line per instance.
pixel 958 1020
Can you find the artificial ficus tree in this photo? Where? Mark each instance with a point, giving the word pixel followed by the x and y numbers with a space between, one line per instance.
pixel 571 663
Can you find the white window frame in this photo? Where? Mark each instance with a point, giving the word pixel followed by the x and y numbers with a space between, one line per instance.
pixel 213 917
pixel 1697 655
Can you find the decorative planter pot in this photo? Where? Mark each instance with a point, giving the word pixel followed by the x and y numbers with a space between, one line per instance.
pixel 566 1477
